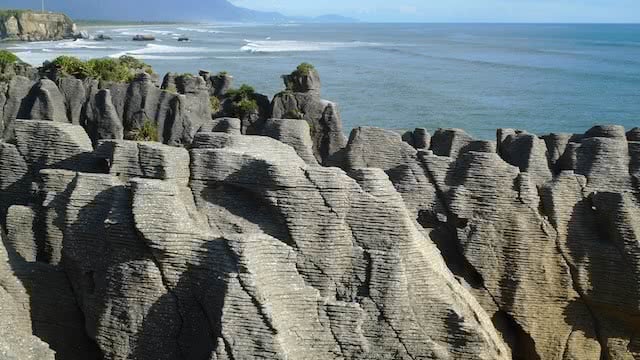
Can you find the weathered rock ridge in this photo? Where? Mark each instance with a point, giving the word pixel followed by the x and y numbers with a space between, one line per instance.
pixel 236 246
pixel 25 25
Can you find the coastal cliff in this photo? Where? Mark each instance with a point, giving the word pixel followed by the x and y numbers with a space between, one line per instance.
pixel 230 238
pixel 25 25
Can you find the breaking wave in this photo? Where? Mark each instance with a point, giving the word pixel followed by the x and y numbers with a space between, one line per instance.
pixel 155 49
pixel 268 46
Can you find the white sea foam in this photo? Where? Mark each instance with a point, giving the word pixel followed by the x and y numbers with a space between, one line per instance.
pixel 199 30
pixel 155 49
pixel 36 58
pixel 166 57
pixel 161 32
pixel 64 44
pixel 267 46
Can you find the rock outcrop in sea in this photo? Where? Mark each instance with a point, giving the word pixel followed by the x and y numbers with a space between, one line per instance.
pixel 26 25
pixel 230 238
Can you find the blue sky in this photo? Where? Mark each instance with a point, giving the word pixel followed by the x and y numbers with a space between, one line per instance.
pixel 460 10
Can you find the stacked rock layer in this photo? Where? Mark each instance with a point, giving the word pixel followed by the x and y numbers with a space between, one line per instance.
pixel 236 246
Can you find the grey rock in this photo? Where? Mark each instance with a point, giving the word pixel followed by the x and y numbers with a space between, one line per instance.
pixel 449 142
pixel 528 153
pixel 303 82
pixel 74 95
pixel 323 118
pixel 634 134
pixel 226 125
pixel 15 104
pixel 293 133
pixel 607 131
pixel 421 138
pixel 20 235
pixel 101 118
pixel 47 102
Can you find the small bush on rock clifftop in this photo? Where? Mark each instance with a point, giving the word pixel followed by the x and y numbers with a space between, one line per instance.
pixel 304 69
pixel 122 69
pixel 7 57
pixel 243 101
pixel 135 64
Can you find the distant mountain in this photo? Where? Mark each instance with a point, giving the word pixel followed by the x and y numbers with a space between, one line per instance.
pixel 160 10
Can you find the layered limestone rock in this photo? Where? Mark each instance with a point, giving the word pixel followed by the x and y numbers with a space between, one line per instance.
pixel 541 230
pixel 236 249
pixel 301 100
pixel 239 246
pixel 27 25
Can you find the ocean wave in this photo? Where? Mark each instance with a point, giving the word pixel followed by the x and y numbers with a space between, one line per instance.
pixel 199 30
pixel 269 46
pixel 155 49
pixel 164 57
pixel 64 44
pixel 246 57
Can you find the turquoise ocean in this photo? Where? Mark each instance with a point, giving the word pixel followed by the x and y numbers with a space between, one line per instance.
pixel 543 78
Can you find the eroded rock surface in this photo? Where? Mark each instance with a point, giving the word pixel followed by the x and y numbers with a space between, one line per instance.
pixel 541 230
pixel 232 246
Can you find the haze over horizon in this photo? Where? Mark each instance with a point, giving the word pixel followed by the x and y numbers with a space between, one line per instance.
pixel 490 11
pixel 598 11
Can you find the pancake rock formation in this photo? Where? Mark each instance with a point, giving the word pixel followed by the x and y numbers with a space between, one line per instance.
pixel 231 238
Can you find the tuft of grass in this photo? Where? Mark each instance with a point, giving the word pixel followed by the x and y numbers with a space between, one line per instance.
pixel 172 89
pixel 245 107
pixel 7 58
pixel 122 69
pixel 222 74
pixel 148 132
pixel 215 104
pixel 304 69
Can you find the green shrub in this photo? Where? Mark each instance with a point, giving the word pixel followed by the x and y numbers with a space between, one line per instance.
pixel 245 107
pixel 122 69
pixel 110 70
pixel 244 100
pixel 215 104
pixel 304 69
pixel 222 74
pixel 148 132
pixel 71 66
pixel 244 92
pixel 7 57
pixel 135 64
pixel 172 89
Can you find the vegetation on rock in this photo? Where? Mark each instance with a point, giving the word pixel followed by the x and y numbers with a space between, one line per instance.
pixel 148 132
pixel 172 89
pixel 7 57
pixel 243 100
pixel 4 14
pixel 304 69
pixel 215 104
pixel 123 69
